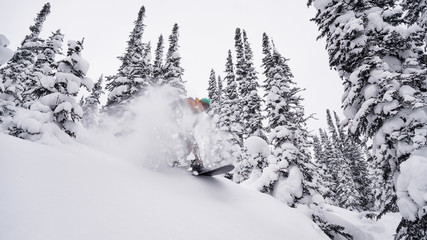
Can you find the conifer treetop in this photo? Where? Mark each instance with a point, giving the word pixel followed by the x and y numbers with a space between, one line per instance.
pixel 37 27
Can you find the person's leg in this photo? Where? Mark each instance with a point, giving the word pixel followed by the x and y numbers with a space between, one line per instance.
pixel 196 163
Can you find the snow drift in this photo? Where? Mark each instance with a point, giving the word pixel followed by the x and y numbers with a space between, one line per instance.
pixel 75 192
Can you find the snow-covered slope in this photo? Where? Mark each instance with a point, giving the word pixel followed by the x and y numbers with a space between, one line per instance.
pixel 75 192
pixel 362 227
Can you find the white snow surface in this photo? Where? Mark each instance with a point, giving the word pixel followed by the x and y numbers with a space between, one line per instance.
pixel 289 187
pixel 72 191
pixel 256 145
pixel 115 182
pixel 411 186
pixel 360 226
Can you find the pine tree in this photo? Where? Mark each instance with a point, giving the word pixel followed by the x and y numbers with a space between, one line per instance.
pixel 344 169
pixel 44 68
pixel 230 115
pixel 248 87
pixel 158 62
pixel 250 96
pixel 346 194
pixel 383 69
pixel 18 70
pixel 91 104
pixel 321 162
pixel 330 166
pixel 289 137
pixel 250 166
pixel 172 70
pixel 220 90
pixel 416 12
pixel 69 78
pixel 239 74
pixel 359 170
pixel 212 87
pixel 213 95
pixel 147 69
pixel 243 166
pixel 56 107
pixel 131 77
pixel 15 74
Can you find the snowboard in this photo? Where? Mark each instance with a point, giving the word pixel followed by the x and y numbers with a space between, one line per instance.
pixel 216 171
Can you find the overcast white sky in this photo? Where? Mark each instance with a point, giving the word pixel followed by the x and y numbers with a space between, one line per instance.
pixel 206 33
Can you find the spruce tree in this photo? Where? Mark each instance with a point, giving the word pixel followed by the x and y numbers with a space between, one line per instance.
pixel 212 87
pixel 346 194
pixel 383 69
pixel 289 136
pixel 230 115
pixel 172 70
pixel 250 95
pixel 248 87
pixel 416 12
pixel 240 73
pixel 330 165
pixel 321 162
pixel 18 72
pixel 353 153
pixel 213 95
pixel 70 77
pixel 146 69
pixel 44 68
pixel 220 90
pixel 131 77
pixel 91 104
pixel 56 107
pixel 19 69
pixel 158 62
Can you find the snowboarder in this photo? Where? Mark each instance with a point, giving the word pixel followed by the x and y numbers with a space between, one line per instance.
pixel 197 106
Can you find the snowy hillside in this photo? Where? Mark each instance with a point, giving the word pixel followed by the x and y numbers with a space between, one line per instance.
pixel 115 182
pixel 74 192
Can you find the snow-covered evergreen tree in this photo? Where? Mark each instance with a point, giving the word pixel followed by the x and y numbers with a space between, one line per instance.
pixel 70 77
pixel 131 78
pixel 330 166
pixel 213 95
pixel 416 13
pixel 45 67
pixel 91 104
pixel 344 169
pixel 240 73
pixel 383 69
pixel 250 95
pixel 325 179
pixel 17 72
pixel 57 107
pixel 212 87
pixel 250 166
pixel 220 90
pixel 158 62
pixel 147 68
pixel 353 153
pixel 230 120
pixel 248 86
pixel 346 195
pixel 172 69
pixel 290 162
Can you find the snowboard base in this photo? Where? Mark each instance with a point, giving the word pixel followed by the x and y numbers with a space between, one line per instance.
pixel 216 171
